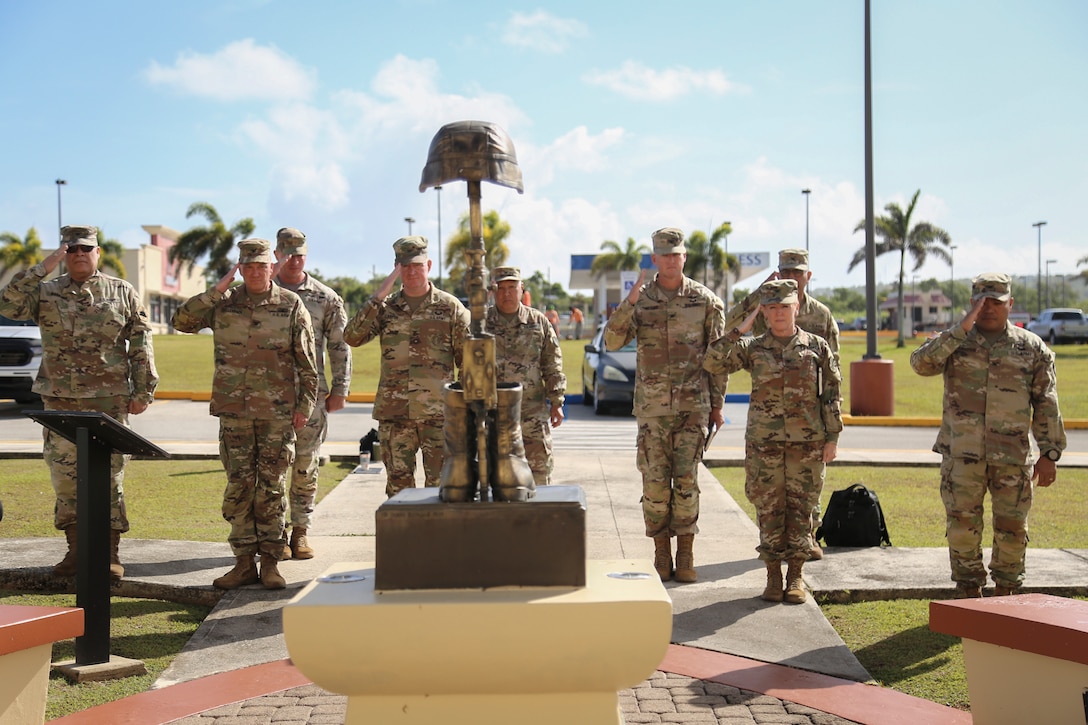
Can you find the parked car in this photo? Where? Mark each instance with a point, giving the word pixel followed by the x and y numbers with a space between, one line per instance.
pixel 1065 324
pixel 858 324
pixel 608 378
pixel 20 358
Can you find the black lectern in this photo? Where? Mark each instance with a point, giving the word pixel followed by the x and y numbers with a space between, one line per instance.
pixel 96 436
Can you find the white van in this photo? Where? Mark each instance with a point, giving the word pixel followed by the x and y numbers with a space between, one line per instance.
pixel 20 358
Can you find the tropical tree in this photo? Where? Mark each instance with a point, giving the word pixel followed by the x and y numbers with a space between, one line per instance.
pixel 18 254
pixel 627 258
pixel 215 241
pixel 495 232
pixel 706 254
pixel 1081 262
pixel 895 233
pixel 110 253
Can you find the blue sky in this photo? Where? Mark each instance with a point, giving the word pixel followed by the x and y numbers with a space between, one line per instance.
pixel 626 116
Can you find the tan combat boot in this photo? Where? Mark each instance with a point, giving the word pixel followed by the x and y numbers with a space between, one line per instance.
pixel 967 590
pixel 67 565
pixel 663 556
pixel 116 570
pixel 270 573
pixel 774 591
pixel 299 548
pixel 795 587
pixel 1000 590
pixel 685 559
pixel 244 572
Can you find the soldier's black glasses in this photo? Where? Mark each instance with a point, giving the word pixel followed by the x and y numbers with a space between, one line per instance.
pixel 85 248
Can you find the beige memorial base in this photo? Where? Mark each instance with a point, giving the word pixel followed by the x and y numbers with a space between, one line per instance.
pixel 501 655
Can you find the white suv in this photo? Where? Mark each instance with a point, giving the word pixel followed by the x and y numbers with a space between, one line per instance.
pixel 20 357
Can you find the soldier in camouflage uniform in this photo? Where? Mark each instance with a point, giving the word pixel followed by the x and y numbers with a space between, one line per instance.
pixel 422 331
pixel 96 356
pixel 794 420
pixel 327 315
pixel 999 386
pixel 812 316
pixel 527 352
pixel 264 389
pixel 674 319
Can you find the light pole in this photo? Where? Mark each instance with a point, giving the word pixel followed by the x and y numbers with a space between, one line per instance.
pixel 952 284
pixel 806 192
pixel 913 302
pixel 410 221
pixel 60 222
pixel 438 190
pixel 1048 263
pixel 1039 272
pixel 728 272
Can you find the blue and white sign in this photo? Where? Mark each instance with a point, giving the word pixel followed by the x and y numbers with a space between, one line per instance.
pixel 627 282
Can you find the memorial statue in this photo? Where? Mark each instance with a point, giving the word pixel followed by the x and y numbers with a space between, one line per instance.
pixel 484 449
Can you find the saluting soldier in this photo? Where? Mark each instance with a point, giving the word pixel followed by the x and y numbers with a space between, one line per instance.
pixel 794 421
pixel 527 352
pixel 328 318
pixel 999 385
pixel 422 332
pixel 97 356
pixel 264 389
pixel 674 319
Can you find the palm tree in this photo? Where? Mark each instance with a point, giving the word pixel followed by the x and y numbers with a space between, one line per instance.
pixel 18 254
pixel 110 253
pixel 495 232
pixel 214 240
pixel 617 258
pixel 895 234
pixel 705 254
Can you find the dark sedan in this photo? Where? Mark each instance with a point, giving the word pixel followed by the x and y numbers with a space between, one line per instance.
pixel 608 378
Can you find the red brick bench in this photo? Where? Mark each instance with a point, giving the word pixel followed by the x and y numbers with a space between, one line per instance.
pixel 27 635
pixel 1026 656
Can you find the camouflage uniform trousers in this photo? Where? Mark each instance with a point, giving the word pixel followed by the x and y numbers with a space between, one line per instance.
pixel 304 472
pixel 256 456
pixel 963 487
pixel 537 433
pixel 783 481
pixel 400 440
pixel 60 455
pixel 670 449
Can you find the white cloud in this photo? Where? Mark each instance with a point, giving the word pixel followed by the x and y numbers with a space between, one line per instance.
pixel 576 150
pixel 639 82
pixel 241 71
pixel 542 31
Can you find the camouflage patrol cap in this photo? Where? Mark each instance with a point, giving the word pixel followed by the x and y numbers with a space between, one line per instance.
pixel 87 236
pixel 501 274
pixel 991 284
pixel 669 240
pixel 290 241
pixel 793 259
pixel 410 250
pixel 778 292
pixel 254 250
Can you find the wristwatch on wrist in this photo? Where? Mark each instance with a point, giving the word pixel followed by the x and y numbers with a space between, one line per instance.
pixel 1053 454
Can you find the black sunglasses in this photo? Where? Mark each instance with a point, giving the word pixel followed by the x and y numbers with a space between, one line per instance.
pixel 85 248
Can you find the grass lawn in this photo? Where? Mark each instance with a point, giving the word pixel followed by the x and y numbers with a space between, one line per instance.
pixel 175 499
pixel 892 639
pixel 185 363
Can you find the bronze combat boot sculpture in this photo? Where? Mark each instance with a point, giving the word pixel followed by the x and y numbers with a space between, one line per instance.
pixel 482 428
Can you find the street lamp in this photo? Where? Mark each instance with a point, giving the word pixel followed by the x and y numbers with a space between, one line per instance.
pixel 806 192
pixel 438 190
pixel 1048 263
pixel 410 221
pixel 952 283
pixel 913 302
pixel 60 223
pixel 1039 272
pixel 725 245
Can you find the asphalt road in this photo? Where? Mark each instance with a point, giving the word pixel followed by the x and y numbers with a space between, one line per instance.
pixel 186 426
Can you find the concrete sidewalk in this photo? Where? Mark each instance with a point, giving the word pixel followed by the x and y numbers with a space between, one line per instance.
pixel 721 613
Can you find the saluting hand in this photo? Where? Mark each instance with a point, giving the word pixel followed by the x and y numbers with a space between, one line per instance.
pixel 224 282
pixel 53 260
pixel 972 314
pixel 632 296
pixel 388 283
